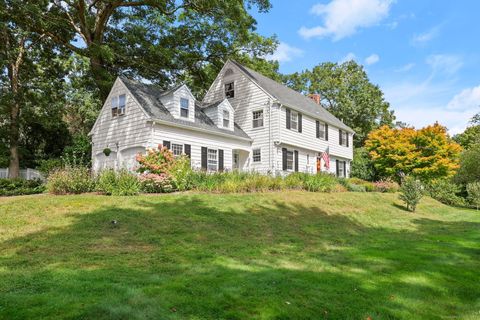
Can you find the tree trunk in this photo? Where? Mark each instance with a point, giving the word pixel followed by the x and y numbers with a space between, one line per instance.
pixel 14 165
pixel 101 76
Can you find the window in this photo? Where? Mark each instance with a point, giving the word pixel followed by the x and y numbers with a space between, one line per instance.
pixel 226 118
pixel 114 106
pixel 293 120
pixel 177 149
pixel 322 131
pixel 289 160
pixel 229 90
pixel 121 104
pixel 212 160
pixel 257 155
pixel 183 107
pixel 343 138
pixel 341 168
pixel 257 117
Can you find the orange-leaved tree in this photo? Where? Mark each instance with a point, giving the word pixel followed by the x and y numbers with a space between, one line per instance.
pixel 428 153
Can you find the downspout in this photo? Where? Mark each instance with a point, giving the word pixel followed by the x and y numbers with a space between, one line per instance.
pixel 270 136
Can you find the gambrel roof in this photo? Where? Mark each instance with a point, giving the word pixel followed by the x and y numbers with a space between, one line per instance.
pixel 291 98
pixel 148 96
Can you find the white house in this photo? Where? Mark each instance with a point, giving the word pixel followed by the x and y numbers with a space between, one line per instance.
pixel 246 121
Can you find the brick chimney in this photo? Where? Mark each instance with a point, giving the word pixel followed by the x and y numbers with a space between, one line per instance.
pixel 315 97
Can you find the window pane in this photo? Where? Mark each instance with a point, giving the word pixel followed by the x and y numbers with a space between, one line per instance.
pixel 289 160
pixel 293 120
pixel 322 130
pixel 257 155
pixel 257 119
pixel 226 118
pixel 229 90
pixel 177 149
pixel 184 107
pixel 114 102
pixel 121 101
pixel 212 160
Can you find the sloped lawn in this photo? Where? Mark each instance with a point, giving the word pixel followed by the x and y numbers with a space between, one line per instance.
pixel 288 255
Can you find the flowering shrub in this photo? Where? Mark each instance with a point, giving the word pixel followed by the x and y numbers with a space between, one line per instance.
pixel 156 183
pixel 156 161
pixel 386 186
pixel 70 180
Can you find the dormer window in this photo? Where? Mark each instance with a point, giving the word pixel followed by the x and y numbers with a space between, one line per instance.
pixel 226 118
pixel 118 105
pixel 229 90
pixel 184 108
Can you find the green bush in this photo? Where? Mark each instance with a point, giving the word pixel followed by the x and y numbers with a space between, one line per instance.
pixel 411 192
pixel 473 190
pixel 70 180
pixel 181 173
pixel 356 187
pixel 445 191
pixel 18 186
pixel 362 165
pixel 48 166
pixel 121 183
pixel 320 182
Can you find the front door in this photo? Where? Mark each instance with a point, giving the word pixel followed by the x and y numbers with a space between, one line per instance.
pixel 319 164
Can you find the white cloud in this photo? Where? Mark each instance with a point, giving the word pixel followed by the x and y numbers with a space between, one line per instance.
pixel 422 38
pixel 372 59
pixel 342 18
pixel 350 56
pixel 444 63
pixel 285 53
pixel 467 99
pixel 405 68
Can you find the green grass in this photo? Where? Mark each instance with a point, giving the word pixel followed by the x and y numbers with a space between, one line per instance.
pixel 285 255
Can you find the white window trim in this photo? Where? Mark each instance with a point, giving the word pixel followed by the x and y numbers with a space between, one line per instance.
pixel 260 155
pixel 223 118
pixel 293 160
pixel 345 137
pixel 216 156
pixel 324 130
pixel 177 144
pixel 225 91
pixel 293 112
pixel 263 119
pixel 188 108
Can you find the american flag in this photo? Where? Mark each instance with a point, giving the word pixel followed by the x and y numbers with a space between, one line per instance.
pixel 326 159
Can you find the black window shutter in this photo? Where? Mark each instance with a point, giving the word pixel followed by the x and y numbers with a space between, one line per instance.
pixel 296 161
pixel 345 169
pixel 288 118
pixel 326 131
pixel 188 150
pixel 166 144
pixel 347 139
pixel 317 123
pixel 220 160
pixel 204 158
pixel 284 159
pixel 336 166
pixel 340 137
pixel 299 122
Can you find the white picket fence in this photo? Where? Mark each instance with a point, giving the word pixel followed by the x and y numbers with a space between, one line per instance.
pixel 28 174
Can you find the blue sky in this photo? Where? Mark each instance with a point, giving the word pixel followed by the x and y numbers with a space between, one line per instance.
pixel 424 55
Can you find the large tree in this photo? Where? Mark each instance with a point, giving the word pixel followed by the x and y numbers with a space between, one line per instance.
pixel 428 153
pixel 30 81
pixel 159 40
pixel 471 135
pixel 347 92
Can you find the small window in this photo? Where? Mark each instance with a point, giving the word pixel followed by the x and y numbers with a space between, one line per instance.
pixel 177 149
pixel 122 99
pixel 257 117
pixel 289 160
pixel 183 107
pixel 341 167
pixel 226 118
pixel 322 131
pixel 294 120
pixel 229 90
pixel 212 160
pixel 257 155
pixel 114 106
pixel 343 138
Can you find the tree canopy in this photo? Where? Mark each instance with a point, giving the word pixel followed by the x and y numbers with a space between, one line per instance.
pixel 428 153
pixel 347 93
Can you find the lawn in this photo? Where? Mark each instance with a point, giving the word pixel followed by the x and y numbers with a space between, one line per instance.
pixel 285 255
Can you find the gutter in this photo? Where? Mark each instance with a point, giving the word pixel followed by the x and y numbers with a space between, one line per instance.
pixel 178 125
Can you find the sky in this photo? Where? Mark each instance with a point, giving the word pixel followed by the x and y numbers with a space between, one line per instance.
pixel 424 55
